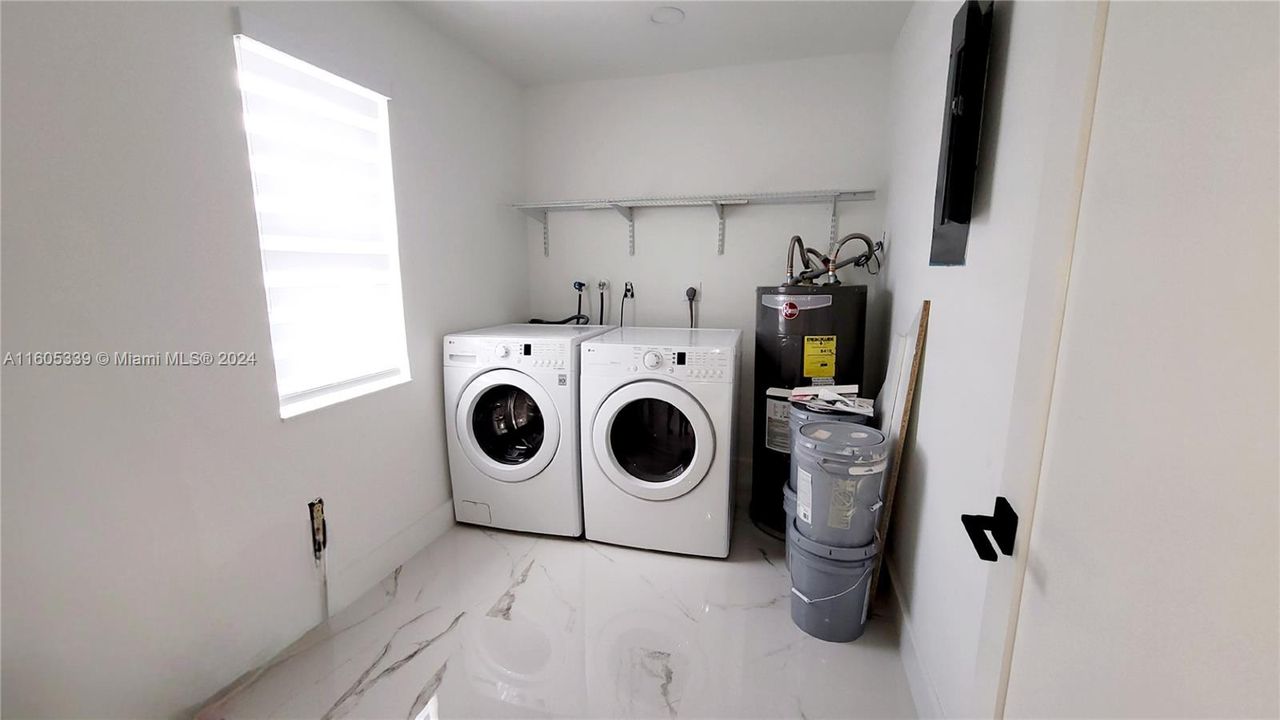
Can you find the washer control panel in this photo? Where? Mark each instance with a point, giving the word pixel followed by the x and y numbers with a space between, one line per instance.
pixel 516 353
pixel 698 364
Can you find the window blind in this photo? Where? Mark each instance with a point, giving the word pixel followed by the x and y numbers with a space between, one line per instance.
pixel 320 157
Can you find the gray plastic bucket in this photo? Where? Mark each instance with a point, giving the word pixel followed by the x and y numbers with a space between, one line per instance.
pixel 830 587
pixel 837 473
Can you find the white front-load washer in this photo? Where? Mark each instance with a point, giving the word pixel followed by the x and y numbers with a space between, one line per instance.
pixel 511 419
pixel 658 415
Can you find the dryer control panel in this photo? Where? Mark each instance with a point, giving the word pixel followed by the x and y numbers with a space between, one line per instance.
pixel 508 352
pixel 695 364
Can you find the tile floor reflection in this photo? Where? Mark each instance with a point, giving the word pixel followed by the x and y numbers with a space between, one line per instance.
pixel 490 624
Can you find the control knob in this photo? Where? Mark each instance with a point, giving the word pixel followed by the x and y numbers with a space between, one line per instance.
pixel 502 351
pixel 652 359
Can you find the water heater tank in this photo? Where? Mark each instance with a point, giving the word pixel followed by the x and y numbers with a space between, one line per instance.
pixel 805 335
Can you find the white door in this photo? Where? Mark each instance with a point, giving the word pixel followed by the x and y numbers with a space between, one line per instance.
pixel 653 440
pixel 507 425
pixel 1151 587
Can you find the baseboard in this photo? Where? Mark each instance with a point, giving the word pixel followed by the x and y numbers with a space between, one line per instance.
pixel 923 692
pixel 357 577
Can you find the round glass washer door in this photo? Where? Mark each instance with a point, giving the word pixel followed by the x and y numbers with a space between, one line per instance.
pixel 507 425
pixel 653 440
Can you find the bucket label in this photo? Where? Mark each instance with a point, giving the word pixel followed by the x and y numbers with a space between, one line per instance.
pixel 840 511
pixel 804 496
pixel 777 425
pixel 820 356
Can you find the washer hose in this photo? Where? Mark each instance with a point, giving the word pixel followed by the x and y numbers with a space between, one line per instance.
pixel 578 319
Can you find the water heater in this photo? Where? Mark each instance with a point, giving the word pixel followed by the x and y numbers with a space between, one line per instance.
pixel 805 335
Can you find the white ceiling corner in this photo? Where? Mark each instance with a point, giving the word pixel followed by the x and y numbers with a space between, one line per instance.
pixel 540 43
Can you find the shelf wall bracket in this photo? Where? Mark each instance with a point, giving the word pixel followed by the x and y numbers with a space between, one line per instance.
pixel 540 214
pixel 719 207
pixel 628 213
pixel 835 224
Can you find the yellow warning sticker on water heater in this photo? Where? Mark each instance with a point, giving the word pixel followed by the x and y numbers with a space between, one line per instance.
pixel 819 356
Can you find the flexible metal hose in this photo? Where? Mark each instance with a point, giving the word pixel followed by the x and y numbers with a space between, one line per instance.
pixel 791 259
pixel 831 263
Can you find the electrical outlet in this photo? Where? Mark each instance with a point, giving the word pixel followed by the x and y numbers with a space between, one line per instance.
pixel 684 298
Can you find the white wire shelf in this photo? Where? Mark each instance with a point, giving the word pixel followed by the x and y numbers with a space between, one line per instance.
pixel 626 206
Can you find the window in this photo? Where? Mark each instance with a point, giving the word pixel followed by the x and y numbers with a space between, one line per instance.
pixel 320 155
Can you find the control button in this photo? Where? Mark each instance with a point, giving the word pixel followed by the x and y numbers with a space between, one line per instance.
pixel 632 368
pixel 652 360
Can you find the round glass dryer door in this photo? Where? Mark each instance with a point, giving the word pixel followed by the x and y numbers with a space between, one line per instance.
pixel 507 425
pixel 653 440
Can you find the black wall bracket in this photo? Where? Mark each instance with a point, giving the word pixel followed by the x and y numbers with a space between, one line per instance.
pixel 1003 524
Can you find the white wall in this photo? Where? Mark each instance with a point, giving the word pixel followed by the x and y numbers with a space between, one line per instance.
pixel 983 392
pixel 803 125
pixel 153 532
pixel 1153 585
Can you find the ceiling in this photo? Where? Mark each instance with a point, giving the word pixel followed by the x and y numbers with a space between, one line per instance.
pixel 540 43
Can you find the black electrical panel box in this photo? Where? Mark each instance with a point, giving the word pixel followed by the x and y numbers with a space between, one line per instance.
pixel 961 132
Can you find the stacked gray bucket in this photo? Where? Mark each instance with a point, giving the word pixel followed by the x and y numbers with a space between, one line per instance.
pixel 833 502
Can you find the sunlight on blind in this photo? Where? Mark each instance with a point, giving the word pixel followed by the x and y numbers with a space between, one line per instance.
pixel 320 155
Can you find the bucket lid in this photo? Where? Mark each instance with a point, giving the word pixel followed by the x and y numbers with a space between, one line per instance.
pixel 842 438
pixel 822 551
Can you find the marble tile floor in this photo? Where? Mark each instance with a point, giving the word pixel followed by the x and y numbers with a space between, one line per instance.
pixel 491 624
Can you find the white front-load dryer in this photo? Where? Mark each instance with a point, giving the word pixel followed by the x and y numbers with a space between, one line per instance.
pixel 511 419
pixel 658 417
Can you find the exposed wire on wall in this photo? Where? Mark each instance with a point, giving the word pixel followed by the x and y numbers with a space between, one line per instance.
pixel 601 286
pixel 690 293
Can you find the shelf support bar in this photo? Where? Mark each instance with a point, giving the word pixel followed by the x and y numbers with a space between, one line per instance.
pixel 540 214
pixel 628 213
pixel 835 223
pixel 719 208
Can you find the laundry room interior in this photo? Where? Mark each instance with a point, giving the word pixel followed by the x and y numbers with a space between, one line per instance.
pixel 640 359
